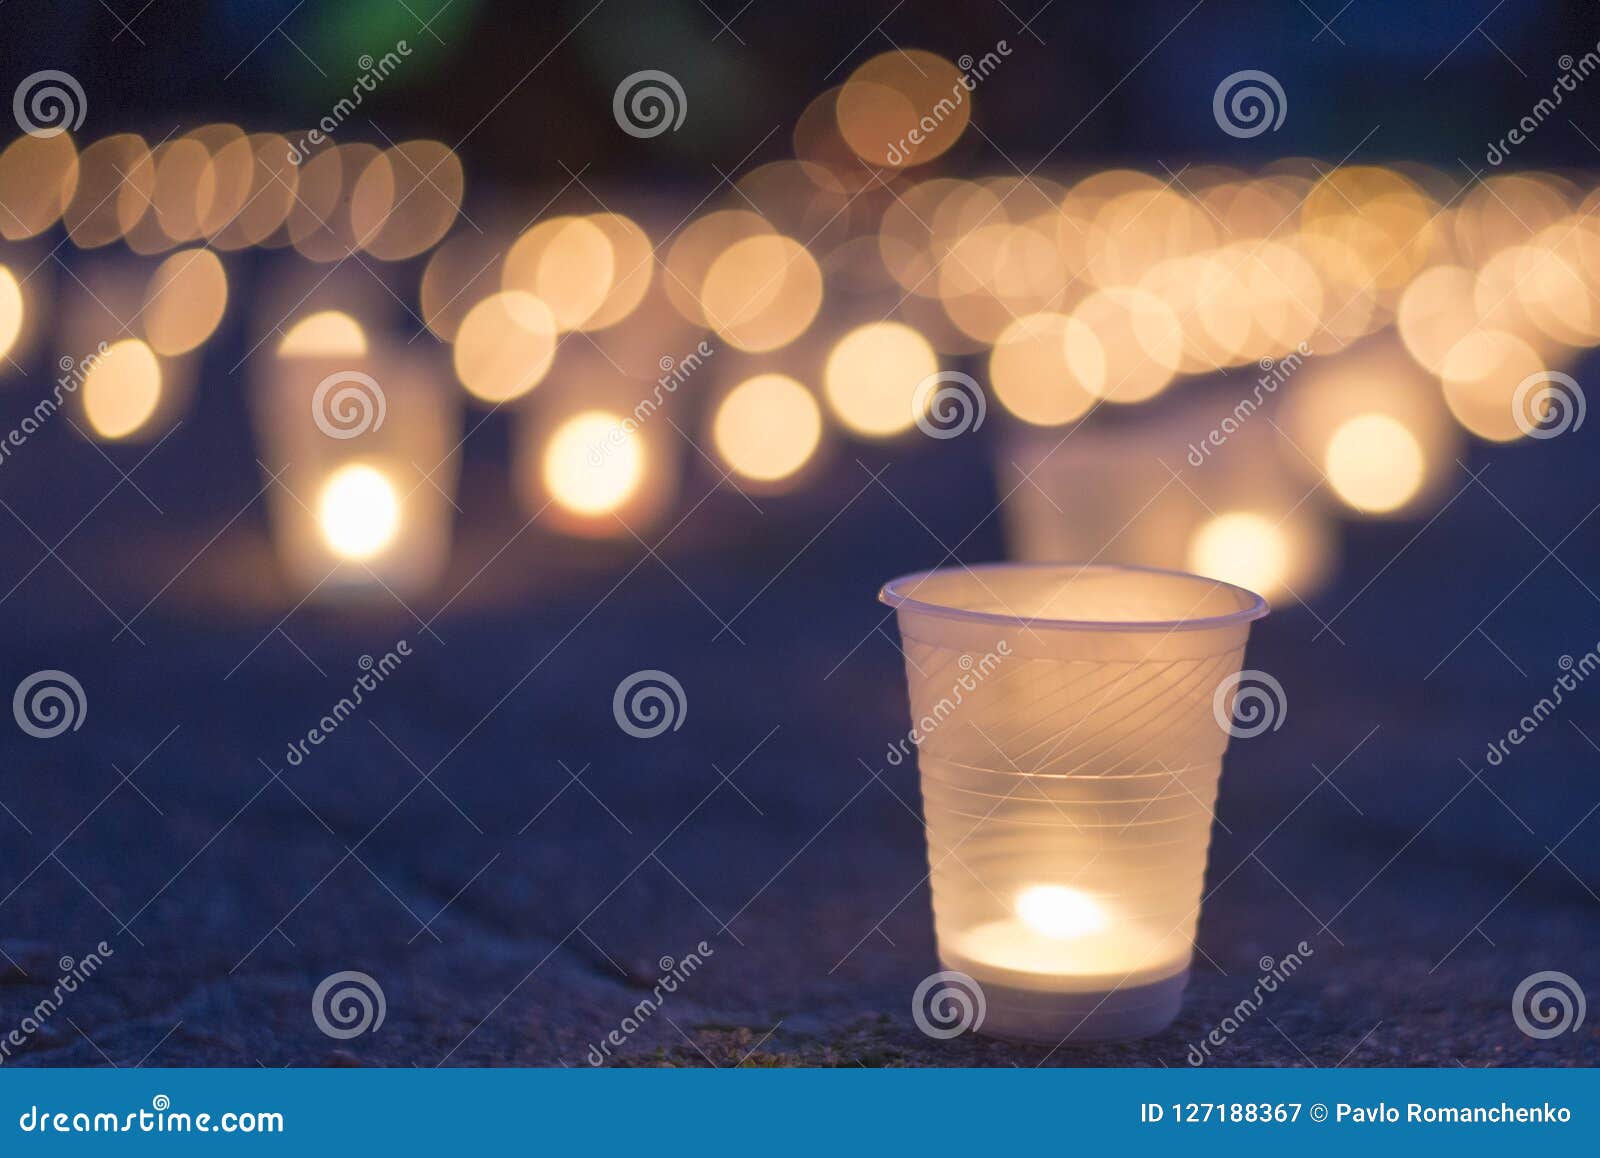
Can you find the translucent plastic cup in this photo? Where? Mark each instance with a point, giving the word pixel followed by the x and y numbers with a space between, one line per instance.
pixel 1066 726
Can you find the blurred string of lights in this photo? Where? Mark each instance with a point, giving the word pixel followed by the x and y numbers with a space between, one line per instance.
pixel 1266 350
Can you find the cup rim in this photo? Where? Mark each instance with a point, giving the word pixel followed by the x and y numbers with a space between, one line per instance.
pixel 893 593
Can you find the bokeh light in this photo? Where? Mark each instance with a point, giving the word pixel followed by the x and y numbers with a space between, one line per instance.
pixel 358 511
pixel 1140 337
pixel 13 311
pixel 274 189
pixel 872 375
pixel 1244 548
pixel 1481 374
pixel 122 389
pixel 38 177
pixel 568 263
pixel 325 334
pixel 1047 369
pixel 633 267
pixel 697 246
pixel 1375 463
pixel 403 204
pixel 185 301
pixel 767 428
pixel 116 180
pixel 903 107
pixel 505 345
pixel 593 463
pixel 762 292
pixel 1436 311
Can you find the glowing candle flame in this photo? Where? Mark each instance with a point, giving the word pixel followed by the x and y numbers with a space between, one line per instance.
pixel 12 312
pixel 358 511
pixel 1059 912
pixel 1374 463
pixel 593 463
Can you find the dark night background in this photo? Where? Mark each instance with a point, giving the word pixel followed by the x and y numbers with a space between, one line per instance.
pixel 513 914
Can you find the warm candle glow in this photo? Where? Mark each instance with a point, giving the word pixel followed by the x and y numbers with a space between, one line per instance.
pixel 12 311
pixel 1480 374
pixel 593 464
pixel 358 511
pixel 116 180
pixel 122 389
pixel 403 205
pixel 328 334
pixel 569 264
pixel 1057 911
pixel 1068 743
pixel 1047 368
pixel 882 108
pixel 761 293
pixel 185 301
pixel 1241 547
pixel 872 376
pixel 1374 463
pixel 505 345
pixel 38 177
pixel 767 428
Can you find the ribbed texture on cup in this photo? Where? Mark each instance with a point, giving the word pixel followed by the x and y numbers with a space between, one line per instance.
pixel 1053 762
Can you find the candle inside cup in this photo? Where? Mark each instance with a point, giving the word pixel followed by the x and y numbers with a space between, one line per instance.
pixel 363 453
pixel 1061 931
pixel 1068 735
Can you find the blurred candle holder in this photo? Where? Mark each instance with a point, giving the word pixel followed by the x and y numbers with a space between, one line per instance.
pixel 1194 483
pixel 364 449
pixel 596 452
pixel 1068 794
pixel 1375 425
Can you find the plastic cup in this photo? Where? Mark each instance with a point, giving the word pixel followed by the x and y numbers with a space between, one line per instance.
pixel 1066 727
pixel 365 453
pixel 1191 486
